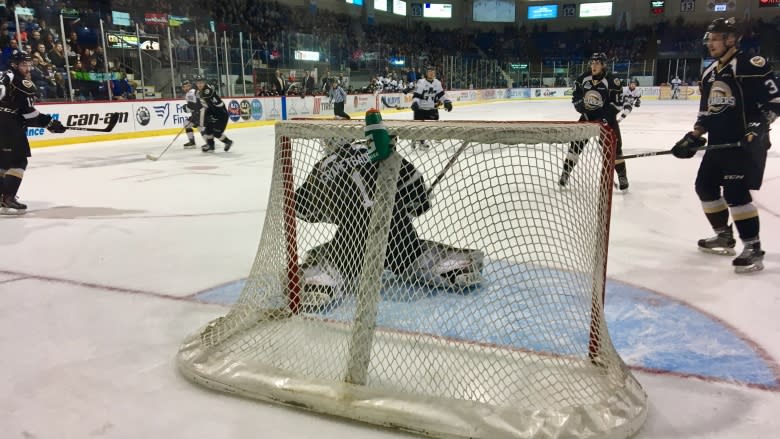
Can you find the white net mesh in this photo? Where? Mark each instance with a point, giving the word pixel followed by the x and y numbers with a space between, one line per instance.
pixel 453 289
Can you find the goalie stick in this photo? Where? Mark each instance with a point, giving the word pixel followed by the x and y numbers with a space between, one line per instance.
pixel 155 158
pixel 701 148
pixel 447 167
pixel 112 121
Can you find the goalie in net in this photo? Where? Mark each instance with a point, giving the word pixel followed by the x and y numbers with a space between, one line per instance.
pixel 339 190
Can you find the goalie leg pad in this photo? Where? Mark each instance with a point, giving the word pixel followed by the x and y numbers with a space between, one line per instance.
pixel 444 266
pixel 323 284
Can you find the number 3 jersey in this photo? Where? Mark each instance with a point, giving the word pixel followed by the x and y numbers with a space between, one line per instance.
pixel 734 94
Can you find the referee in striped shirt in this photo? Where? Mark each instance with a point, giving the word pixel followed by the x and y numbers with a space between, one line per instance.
pixel 338 96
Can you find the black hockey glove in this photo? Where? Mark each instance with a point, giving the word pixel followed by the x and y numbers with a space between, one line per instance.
pixel 686 147
pixel 637 103
pixel 579 105
pixel 415 106
pixel 56 126
pixel 194 120
pixel 448 106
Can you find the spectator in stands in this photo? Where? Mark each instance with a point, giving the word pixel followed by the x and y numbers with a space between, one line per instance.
pixel 57 57
pixel 279 83
pixel 6 54
pixel 73 45
pixel 310 84
pixel 121 88
pixel 41 55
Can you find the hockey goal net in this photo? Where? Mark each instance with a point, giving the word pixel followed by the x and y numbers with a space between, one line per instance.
pixel 493 327
pixel 666 92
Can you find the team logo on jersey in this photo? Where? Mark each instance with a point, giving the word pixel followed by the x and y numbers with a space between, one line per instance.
pixel 28 84
pixel 758 61
pixel 143 116
pixel 617 81
pixel 720 97
pixel 234 111
pixel 587 85
pixel 593 100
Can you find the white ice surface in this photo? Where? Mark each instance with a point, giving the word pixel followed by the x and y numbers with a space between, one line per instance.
pixel 91 282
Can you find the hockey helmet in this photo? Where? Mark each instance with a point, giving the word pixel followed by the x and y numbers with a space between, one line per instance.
pixel 721 26
pixel 18 56
pixel 333 144
pixel 198 78
pixel 600 57
pixel 186 82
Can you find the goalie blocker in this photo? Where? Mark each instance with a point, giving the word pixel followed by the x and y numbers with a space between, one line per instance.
pixel 338 190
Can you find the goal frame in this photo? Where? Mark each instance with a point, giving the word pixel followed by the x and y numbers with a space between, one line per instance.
pixel 430 416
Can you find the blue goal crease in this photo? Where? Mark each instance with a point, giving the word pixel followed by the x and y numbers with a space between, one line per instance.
pixel 648 330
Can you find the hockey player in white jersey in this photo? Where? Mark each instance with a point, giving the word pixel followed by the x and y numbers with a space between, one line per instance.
pixel 193 107
pixel 676 83
pixel 428 97
pixel 632 98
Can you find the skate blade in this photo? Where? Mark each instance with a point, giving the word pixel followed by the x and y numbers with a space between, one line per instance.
pixel 721 251
pixel 745 269
pixel 11 212
pixel 190 147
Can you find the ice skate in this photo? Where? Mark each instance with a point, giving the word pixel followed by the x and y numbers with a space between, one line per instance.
pixel 622 184
pixel 207 148
pixel 751 259
pixel 721 244
pixel 189 145
pixel 228 143
pixel 322 287
pixel 11 206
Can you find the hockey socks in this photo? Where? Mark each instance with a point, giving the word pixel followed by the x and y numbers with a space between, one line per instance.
pixel 717 213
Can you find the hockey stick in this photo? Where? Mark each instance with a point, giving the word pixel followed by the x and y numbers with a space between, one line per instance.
pixel 447 167
pixel 153 158
pixel 112 121
pixel 701 148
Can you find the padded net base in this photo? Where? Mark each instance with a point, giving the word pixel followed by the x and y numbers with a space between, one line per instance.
pixel 522 352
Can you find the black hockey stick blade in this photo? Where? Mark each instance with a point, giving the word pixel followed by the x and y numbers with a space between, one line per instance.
pixel 702 148
pixel 113 118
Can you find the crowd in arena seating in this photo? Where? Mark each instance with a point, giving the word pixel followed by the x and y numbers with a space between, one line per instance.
pixel 274 30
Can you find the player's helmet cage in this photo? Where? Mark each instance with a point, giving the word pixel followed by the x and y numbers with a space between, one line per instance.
pixel 333 144
pixel 600 57
pixel 721 26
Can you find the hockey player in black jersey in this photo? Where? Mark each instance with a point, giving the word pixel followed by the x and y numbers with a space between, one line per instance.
pixel 213 116
pixel 17 112
pixel 740 98
pixel 339 190
pixel 598 96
